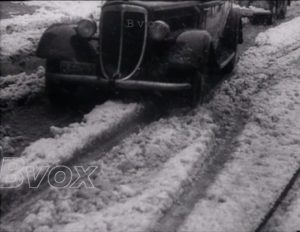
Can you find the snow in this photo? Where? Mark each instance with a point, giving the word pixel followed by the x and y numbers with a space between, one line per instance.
pixel 141 176
pixel 286 34
pixel 265 160
pixel 14 88
pixel 267 150
pixel 100 123
pixel 143 210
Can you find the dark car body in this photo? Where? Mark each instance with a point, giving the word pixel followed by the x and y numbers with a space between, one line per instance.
pixel 153 45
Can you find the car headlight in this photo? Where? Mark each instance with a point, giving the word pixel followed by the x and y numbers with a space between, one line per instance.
pixel 86 28
pixel 159 30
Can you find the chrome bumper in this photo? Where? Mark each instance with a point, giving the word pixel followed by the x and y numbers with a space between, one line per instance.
pixel 128 84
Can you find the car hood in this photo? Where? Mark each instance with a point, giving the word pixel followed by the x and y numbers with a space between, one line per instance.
pixel 157 5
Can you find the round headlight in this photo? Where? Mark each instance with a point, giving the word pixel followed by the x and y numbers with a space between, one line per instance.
pixel 86 28
pixel 159 30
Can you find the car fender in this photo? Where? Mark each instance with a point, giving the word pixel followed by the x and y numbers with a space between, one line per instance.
pixel 191 50
pixel 60 41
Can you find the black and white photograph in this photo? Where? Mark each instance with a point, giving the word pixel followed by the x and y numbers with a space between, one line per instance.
pixel 150 116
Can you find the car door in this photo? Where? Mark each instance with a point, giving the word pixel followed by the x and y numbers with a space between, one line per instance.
pixel 216 18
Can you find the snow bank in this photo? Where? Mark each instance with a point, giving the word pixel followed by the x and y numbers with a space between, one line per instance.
pixel 286 34
pixel 14 88
pixel 21 43
pixel 103 121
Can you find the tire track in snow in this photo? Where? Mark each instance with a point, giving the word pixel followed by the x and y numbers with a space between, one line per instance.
pixel 99 126
pixel 160 144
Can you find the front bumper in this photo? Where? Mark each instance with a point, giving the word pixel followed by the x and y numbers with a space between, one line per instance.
pixel 118 84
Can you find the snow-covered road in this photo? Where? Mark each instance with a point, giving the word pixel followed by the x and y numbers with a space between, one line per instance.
pixel 218 167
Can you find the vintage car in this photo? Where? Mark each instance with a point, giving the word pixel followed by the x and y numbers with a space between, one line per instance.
pixel 266 11
pixel 171 46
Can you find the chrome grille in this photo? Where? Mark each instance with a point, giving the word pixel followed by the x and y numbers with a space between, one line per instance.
pixel 123 36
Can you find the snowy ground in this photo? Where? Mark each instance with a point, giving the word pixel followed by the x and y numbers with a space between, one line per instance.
pixel 18 87
pixel 144 175
pixel 101 122
pixel 266 157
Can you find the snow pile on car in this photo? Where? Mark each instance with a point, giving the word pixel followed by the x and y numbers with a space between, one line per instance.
pixel 250 11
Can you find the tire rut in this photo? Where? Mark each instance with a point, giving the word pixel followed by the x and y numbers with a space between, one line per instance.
pixel 16 201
